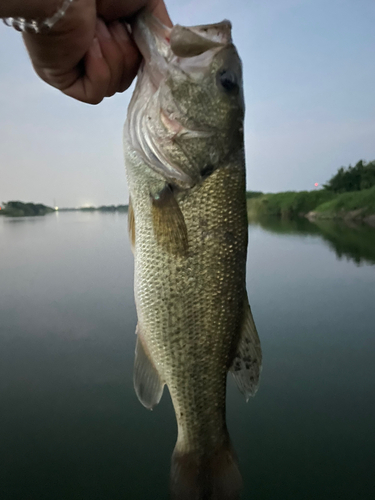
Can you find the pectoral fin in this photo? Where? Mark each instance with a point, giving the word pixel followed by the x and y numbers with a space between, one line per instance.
pixel 168 222
pixel 147 383
pixel 247 363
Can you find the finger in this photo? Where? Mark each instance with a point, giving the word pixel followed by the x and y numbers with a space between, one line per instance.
pixel 93 85
pixel 110 11
pixel 112 54
pixel 109 66
pixel 131 57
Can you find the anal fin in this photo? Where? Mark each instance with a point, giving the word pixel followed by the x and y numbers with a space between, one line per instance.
pixel 247 363
pixel 147 383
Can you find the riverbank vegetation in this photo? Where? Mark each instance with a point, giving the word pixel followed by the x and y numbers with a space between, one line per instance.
pixel 357 178
pixel 350 194
pixel 288 204
pixel 353 205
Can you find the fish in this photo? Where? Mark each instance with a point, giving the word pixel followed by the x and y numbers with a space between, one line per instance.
pixel 185 167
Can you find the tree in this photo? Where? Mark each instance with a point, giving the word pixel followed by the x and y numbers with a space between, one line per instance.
pixel 361 176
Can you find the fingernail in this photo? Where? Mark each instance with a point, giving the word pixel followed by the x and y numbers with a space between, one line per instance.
pixel 95 49
pixel 102 29
pixel 119 29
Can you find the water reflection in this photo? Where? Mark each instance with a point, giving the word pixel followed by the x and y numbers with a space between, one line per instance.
pixel 354 242
pixel 17 220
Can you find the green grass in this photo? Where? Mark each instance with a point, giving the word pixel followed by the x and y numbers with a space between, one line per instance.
pixel 288 204
pixel 325 204
pixel 344 203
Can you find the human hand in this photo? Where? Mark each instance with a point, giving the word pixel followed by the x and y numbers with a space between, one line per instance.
pixel 89 54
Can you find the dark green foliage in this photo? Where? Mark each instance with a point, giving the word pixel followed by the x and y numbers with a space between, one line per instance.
pixel 88 209
pixel 361 176
pixel 122 208
pixel 107 208
pixel 19 209
pixel 253 194
pixel 113 208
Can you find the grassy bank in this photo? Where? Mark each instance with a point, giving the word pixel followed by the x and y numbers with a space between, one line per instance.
pixel 316 204
pixel 354 205
pixel 289 204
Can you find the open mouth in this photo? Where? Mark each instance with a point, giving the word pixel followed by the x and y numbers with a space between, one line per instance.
pixel 162 46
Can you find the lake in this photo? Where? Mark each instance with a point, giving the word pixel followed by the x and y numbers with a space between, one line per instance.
pixel 71 426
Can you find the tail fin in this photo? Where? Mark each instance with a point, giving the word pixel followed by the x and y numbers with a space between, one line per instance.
pixel 210 477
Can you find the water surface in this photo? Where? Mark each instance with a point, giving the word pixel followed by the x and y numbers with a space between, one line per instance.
pixel 71 426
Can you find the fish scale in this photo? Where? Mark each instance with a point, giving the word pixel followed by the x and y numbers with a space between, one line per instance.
pixel 184 302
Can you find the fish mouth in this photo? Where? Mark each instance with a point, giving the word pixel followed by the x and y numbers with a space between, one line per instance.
pixel 162 46
pixel 195 40
pixel 187 49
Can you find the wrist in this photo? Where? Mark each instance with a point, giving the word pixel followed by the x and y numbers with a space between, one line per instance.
pixel 43 20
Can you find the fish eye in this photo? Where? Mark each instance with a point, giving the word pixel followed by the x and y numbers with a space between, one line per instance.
pixel 228 80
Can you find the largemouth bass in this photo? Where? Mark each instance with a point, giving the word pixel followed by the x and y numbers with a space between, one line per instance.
pixel 184 153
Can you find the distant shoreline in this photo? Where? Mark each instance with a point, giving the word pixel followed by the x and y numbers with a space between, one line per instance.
pixel 318 204
pixel 21 209
pixel 103 208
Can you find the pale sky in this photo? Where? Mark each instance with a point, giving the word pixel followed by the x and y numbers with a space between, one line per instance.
pixel 309 73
